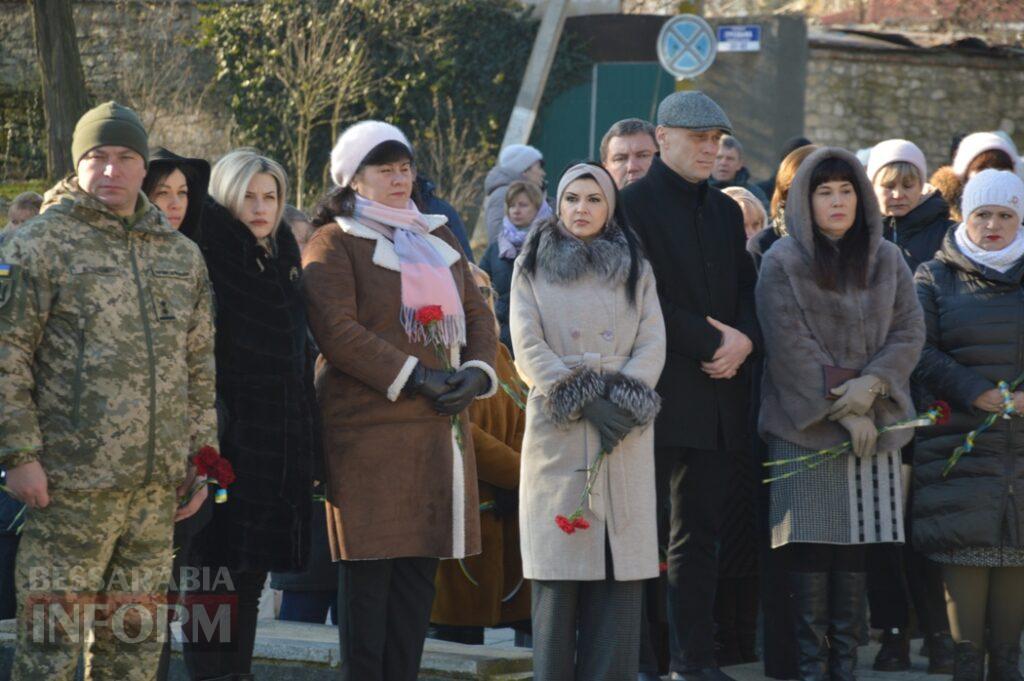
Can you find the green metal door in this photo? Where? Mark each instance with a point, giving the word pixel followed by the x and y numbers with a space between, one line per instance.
pixel 571 126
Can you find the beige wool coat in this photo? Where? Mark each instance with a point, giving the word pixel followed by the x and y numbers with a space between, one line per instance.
pixel 577 336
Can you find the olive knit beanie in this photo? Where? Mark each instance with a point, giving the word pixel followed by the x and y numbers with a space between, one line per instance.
pixel 113 124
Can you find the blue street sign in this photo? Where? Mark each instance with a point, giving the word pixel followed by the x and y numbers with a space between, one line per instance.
pixel 686 46
pixel 739 38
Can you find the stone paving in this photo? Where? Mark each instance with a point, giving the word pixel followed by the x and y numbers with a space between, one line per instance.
pixel 504 638
pixel 917 672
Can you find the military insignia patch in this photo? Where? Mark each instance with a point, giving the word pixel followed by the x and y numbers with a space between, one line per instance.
pixel 8 280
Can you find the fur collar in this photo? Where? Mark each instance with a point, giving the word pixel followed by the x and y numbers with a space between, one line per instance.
pixel 384 253
pixel 564 260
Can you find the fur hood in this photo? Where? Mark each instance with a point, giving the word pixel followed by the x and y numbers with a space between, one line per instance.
pixel 562 259
pixel 951 187
pixel 798 202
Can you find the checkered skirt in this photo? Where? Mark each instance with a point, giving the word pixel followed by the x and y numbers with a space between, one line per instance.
pixel 848 500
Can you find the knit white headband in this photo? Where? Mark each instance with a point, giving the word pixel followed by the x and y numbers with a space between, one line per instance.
pixel 600 176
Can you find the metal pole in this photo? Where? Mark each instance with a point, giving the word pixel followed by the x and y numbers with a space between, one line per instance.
pixel 545 45
pixel 688 7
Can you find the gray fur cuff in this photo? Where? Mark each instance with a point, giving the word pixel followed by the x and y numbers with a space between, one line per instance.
pixel 635 396
pixel 571 392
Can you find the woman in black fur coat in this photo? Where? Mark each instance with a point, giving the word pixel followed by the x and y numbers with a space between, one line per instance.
pixel 265 400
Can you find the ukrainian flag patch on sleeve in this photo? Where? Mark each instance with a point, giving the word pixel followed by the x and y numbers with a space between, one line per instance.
pixel 8 281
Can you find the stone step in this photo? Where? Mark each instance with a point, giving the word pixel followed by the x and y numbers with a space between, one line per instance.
pixel 296 651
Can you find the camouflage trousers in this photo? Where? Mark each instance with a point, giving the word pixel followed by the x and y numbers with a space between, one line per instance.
pixel 92 573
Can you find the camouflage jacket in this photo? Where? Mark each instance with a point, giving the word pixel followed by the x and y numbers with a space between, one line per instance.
pixel 106 346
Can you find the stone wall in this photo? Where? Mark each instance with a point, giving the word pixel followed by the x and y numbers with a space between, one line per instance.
pixel 855 95
pixel 858 97
pixel 140 53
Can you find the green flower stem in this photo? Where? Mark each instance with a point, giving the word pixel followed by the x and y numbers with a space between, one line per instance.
pixel 591 480
pixel 515 398
pixel 815 459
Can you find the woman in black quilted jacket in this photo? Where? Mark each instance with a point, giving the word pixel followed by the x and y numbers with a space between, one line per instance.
pixel 971 517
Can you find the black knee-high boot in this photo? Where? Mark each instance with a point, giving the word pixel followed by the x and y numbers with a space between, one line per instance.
pixel 969 662
pixel 1004 663
pixel 847 603
pixel 809 595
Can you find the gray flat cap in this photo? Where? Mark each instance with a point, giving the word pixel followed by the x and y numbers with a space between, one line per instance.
pixel 693 110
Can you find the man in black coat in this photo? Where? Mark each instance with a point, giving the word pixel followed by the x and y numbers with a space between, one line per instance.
pixel 694 239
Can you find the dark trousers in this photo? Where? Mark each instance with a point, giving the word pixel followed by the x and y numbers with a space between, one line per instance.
pixel 383 615
pixel 211 659
pixel 469 635
pixel 698 489
pixel 899 576
pixel 8 551
pixel 309 606
pixel 806 557
pixel 585 631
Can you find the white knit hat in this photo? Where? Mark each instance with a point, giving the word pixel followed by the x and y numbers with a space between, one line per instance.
pixel 978 143
pixel 993 187
pixel 518 157
pixel 356 142
pixel 896 151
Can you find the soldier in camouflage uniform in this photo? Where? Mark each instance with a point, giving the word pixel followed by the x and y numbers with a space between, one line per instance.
pixel 106 389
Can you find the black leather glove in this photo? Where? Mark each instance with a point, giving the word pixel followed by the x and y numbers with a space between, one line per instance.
pixel 466 385
pixel 431 383
pixel 612 422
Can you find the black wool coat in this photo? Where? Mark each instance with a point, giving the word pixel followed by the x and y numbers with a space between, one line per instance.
pixel 694 238
pixel 975 321
pixel 920 232
pixel 265 394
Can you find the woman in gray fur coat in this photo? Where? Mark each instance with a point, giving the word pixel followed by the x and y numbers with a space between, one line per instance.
pixel 843 330
pixel 590 342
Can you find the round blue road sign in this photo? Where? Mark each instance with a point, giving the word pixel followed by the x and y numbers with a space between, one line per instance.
pixel 686 46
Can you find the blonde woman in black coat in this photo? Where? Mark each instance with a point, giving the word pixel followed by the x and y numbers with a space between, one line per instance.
pixel 265 399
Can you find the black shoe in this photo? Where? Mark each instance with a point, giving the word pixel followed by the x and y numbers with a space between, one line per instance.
pixel 728 654
pixel 808 592
pixel 701 674
pixel 894 655
pixel 940 652
pixel 1004 663
pixel 846 606
pixel 969 662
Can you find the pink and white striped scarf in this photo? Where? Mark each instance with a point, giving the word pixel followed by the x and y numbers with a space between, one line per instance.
pixel 426 279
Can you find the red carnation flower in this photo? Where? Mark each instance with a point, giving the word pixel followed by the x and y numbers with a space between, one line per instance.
pixel 580 523
pixel 223 472
pixel 662 567
pixel 565 524
pixel 943 410
pixel 429 314
pixel 205 460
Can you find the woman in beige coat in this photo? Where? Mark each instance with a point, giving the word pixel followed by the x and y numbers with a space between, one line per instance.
pixel 590 342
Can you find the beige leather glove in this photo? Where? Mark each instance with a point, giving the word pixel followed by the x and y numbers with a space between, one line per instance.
pixel 863 434
pixel 855 396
